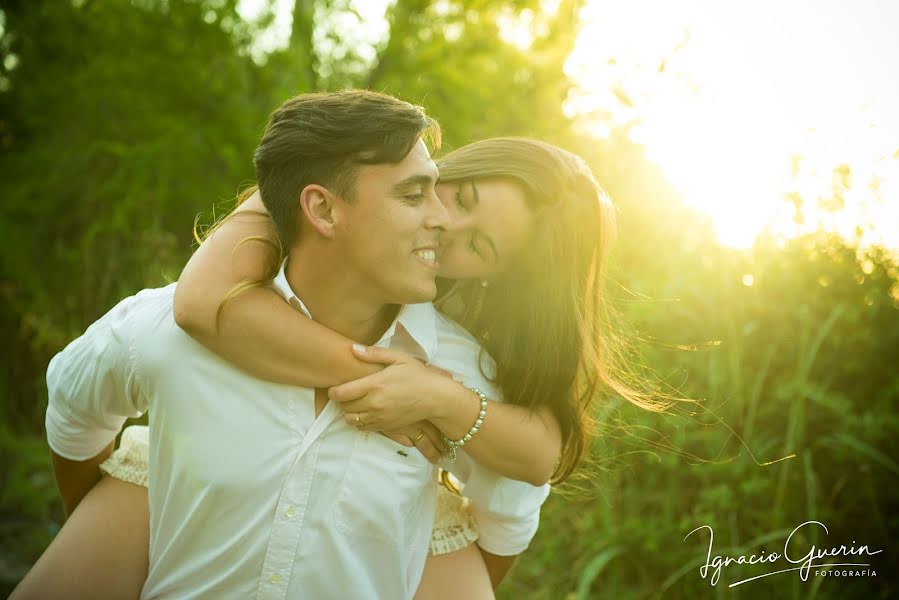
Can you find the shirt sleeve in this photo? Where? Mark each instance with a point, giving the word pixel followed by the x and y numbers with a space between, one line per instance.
pixel 93 386
pixel 507 511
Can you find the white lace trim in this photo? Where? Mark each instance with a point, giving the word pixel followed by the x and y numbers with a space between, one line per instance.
pixel 454 527
pixel 131 460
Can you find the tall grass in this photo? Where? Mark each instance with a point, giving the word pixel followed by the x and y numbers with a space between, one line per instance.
pixel 801 372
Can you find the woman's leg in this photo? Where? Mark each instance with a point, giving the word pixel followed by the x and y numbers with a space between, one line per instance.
pixel 460 574
pixel 102 551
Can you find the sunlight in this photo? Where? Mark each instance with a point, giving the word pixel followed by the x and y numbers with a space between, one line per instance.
pixel 365 29
pixel 743 106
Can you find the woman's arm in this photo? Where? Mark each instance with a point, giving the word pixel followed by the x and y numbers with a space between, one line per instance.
pixel 257 330
pixel 513 441
pixel 262 334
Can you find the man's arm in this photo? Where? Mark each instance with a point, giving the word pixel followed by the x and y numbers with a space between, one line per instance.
pixel 92 388
pixel 75 478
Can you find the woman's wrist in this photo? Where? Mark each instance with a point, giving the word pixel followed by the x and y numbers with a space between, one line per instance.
pixel 456 408
pixel 454 445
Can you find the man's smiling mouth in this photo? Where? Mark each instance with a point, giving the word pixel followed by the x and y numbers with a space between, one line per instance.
pixel 427 255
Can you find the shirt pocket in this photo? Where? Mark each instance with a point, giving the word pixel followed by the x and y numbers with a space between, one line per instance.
pixel 381 496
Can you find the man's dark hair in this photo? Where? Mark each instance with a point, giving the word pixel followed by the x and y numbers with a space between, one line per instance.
pixel 323 138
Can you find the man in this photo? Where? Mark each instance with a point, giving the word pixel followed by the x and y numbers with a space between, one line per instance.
pixel 260 489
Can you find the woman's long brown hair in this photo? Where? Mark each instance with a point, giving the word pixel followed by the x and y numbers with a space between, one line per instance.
pixel 546 321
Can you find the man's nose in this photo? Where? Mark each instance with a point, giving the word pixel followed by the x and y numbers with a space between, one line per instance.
pixel 438 217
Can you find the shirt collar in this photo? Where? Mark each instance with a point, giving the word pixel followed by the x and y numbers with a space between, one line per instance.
pixel 281 285
pixel 418 321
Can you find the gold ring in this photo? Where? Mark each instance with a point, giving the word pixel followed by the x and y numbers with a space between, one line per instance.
pixel 421 434
pixel 358 419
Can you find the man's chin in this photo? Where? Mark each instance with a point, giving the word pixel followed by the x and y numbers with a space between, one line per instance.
pixel 422 293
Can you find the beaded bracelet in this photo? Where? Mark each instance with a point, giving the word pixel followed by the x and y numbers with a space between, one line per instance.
pixel 453 445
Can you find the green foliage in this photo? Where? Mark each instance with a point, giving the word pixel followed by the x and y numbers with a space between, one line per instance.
pixel 803 367
pixel 121 121
pixel 120 125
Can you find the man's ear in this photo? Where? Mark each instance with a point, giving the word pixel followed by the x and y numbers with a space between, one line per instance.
pixel 317 204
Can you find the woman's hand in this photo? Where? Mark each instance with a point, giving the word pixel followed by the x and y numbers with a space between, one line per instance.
pixel 392 399
pixel 423 436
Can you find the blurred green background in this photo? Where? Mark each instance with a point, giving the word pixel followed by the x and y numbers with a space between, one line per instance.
pixel 121 121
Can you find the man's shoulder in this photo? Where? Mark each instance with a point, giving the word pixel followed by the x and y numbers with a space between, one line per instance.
pixel 148 295
pixel 149 303
pixel 141 320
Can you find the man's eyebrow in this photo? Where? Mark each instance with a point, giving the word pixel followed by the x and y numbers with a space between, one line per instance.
pixel 413 181
pixel 477 200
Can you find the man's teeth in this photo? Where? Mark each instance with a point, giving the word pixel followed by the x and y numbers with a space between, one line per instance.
pixel 427 255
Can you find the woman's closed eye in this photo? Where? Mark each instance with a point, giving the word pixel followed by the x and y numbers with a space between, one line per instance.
pixel 459 203
pixel 472 247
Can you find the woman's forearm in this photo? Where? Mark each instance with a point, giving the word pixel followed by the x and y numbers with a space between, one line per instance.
pixel 266 337
pixel 512 441
pixel 256 329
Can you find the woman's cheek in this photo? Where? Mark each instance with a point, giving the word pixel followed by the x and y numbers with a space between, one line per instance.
pixel 449 264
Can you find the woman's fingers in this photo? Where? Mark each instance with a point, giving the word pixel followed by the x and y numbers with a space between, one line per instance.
pixel 362 405
pixel 369 427
pixel 420 441
pixel 434 435
pixel 426 438
pixel 423 444
pixel 353 390
pixel 384 356
pixel 355 419
pixel 399 438
pixel 357 415
pixel 426 446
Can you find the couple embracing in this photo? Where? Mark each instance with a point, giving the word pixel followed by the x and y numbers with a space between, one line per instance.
pixel 303 390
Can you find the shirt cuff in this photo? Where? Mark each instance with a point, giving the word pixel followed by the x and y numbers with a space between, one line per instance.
pixel 505 537
pixel 70 440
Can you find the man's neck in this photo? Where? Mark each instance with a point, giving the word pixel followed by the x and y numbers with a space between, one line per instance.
pixel 335 299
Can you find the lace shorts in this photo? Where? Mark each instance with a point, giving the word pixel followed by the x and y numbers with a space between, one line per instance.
pixel 454 527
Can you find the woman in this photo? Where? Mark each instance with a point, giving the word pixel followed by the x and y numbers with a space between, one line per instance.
pixel 520 268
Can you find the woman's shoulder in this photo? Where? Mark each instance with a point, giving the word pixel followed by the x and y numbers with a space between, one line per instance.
pixel 461 353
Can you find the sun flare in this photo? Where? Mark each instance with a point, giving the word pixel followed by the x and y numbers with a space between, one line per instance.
pixel 763 115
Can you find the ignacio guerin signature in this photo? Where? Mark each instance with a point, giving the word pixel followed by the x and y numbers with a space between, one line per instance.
pixel 812 558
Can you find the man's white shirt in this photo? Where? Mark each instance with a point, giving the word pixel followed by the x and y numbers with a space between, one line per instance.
pixel 251 494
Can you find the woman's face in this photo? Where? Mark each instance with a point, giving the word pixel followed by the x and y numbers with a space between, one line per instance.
pixel 489 224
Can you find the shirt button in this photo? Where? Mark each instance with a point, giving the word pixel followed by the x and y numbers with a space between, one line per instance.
pixel 290 511
pixel 275 578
